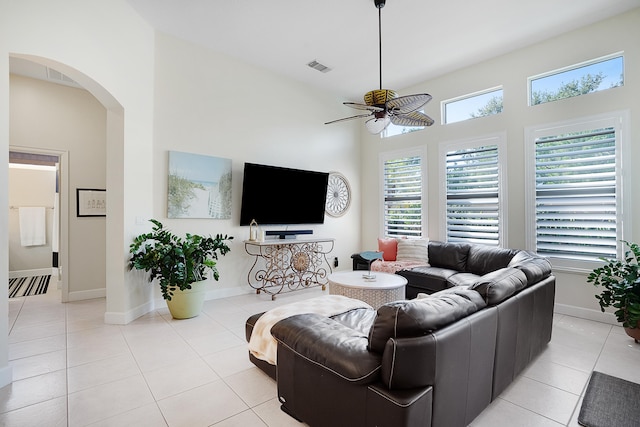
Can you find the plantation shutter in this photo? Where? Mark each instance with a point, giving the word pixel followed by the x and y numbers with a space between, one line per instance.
pixel 576 195
pixel 403 197
pixel 473 195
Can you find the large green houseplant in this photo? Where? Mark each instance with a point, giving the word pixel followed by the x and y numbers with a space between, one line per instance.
pixel 177 263
pixel 620 280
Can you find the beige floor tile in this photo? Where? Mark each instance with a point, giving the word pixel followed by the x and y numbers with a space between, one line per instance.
pixel 101 371
pixel 558 376
pixel 253 386
pixel 206 405
pixel 504 414
pixel 230 361
pixel 174 379
pixel 159 354
pixel 273 416
pixel 145 416
pixel 37 346
pixel 38 331
pixel 39 364
pixel 107 400
pixel 23 393
pixel 545 400
pixel 570 357
pixel 50 413
pixel 219 341
pixel 244 419
pixel 93 352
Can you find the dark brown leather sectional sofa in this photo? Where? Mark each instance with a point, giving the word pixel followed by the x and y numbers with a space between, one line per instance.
pixel 433 361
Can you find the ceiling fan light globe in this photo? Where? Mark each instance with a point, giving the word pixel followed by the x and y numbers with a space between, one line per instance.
pixel 377 125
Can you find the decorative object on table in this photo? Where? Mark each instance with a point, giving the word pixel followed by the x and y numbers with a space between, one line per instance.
pixel 338 195
pixel 370 256
pixel 610 402
pixel 253 232
pixel 384 105
pixel 199 186
pixel 179 265
pixel 621 288
pixel 91 202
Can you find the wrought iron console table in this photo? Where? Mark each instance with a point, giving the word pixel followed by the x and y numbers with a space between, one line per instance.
pixel 286 265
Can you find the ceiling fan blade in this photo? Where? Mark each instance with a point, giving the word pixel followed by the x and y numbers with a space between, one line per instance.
pixel 414 118
pixel 363 106
pixel 407 104
pixel 348 118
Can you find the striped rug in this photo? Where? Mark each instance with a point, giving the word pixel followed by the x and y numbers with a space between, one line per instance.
pixel 26 286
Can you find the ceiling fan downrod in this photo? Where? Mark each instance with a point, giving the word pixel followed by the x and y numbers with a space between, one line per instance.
pixel 380 4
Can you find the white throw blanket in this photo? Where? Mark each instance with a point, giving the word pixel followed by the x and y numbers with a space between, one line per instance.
pixel 263 346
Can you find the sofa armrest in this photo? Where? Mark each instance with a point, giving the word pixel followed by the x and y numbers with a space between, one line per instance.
pixel 329 345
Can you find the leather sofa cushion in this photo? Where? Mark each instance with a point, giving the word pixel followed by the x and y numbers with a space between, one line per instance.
pixel 429 278
pixel 499 285
pixel 330 345
pixel 448 255
pixel 463 279
pixel 419 317
pixel 534 266
pixel 359 319
pixel 484 259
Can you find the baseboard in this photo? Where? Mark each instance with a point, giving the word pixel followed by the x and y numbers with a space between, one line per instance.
pixel 123 318
pixel 6 375
pixel 586 313
pixel 90 294
pixel 29 273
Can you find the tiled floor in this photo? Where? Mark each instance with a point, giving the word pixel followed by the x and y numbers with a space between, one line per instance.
pixel 72 369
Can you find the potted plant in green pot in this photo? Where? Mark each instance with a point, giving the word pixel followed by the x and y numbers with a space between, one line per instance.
pixel 180 265
pixel 620 280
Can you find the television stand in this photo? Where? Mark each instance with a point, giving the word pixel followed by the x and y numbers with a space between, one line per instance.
pixel 286 265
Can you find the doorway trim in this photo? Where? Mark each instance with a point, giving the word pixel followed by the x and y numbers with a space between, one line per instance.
pixel 63 235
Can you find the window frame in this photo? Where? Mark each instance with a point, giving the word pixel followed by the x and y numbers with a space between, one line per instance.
pixel 619 121
pixel 444 103
pixel 572 67
pixel 398 154
pixel 498 139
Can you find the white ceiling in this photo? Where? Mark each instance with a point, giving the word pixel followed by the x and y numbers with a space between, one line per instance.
pixel 422 39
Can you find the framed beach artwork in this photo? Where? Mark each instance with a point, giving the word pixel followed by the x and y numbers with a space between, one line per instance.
pixel 199 186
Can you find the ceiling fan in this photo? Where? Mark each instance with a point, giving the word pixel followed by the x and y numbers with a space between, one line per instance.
pixel 384 105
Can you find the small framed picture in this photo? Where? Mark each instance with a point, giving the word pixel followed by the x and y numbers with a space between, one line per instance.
pixel 91 202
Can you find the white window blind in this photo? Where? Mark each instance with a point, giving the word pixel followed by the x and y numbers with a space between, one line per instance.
pixel 575 195
pixel 403 197
pixel 472 187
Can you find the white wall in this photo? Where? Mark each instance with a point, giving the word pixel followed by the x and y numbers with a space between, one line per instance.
pixel 511 71
pixel 210 104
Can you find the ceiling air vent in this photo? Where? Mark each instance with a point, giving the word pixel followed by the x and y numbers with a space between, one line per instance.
pixel 318 66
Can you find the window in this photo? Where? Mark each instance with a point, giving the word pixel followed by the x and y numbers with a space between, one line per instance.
pixel 592 76
pixel 471 106
pixel 402 177
pixel 472 186
pixel 575 193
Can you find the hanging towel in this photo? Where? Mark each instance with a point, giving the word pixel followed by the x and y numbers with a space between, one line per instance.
pixel 32 226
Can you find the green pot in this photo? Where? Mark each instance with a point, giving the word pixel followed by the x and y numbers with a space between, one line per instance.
pixel 188 303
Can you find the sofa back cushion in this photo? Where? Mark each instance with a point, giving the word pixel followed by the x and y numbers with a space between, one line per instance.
pixel 419 317
pixel 532 265
pixel 413 250
pixel 484 259
pixel 388 247
pixel 499 285
pixel 448 255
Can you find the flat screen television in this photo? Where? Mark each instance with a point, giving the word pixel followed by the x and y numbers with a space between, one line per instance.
pixel 275 195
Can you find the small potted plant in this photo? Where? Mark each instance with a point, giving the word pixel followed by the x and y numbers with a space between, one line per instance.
pixel 620 280
pixel 179 265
